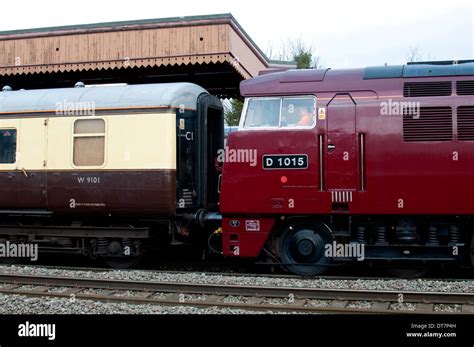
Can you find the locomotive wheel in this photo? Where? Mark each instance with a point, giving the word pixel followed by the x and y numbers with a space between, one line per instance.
pixel 302 248
pixel 122 262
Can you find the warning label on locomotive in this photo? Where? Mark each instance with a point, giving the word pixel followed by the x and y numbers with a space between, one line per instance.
pixel 252 225
pixel 291 161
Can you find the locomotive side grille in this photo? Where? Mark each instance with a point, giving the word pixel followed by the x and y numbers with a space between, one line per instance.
pixel 431 124
pixel 465 87
pixel 341 196
pixel 421 89
pixel 466 123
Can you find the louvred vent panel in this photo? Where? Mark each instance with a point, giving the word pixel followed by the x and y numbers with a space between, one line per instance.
pixel 466 123
pixel 422 89
pixel 465 87
pixel 429 124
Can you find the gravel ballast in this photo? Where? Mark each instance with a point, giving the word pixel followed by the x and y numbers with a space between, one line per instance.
pixel 397 285
pixel 19 304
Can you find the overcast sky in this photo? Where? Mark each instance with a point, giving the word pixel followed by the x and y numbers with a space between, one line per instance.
pixel 343 33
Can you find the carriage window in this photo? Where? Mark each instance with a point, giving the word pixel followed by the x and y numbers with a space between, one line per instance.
pixel 289 112
pixel 7 146
pixel 89 142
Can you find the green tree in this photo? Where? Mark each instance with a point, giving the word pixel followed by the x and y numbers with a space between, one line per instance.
pixel 303 55
pixel 233 111
pixel 303 60
pixel 296 50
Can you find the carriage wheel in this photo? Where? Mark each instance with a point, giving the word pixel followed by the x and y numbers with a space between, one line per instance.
pixel 409 271
pixel 122 262
pixel 5 260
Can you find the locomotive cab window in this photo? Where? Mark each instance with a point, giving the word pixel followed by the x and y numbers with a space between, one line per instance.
pixel 298 112
pixel 284 112
pixel 263 113
pixel 7 146
pixel 89 142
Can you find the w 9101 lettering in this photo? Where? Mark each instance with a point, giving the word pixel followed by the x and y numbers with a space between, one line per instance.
pixel 89 180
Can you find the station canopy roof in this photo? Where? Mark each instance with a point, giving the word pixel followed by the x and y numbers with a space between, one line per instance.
pixel 212 51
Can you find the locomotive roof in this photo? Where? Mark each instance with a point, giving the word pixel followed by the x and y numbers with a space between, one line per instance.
pixel 382 78
pixel 432 69
pixel 168 95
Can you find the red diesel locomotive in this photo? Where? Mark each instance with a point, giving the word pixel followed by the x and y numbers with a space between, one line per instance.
pixel 327 166
pixel 372 164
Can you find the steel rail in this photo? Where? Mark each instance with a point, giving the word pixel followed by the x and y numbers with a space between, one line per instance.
pixel 244 290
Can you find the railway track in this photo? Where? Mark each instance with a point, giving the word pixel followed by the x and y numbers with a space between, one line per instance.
pixel 225 273
pixel 250 298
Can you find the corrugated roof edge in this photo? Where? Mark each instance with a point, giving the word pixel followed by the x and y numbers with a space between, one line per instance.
pixel 282 62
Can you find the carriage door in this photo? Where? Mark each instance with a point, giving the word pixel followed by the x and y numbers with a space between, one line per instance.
pixel 32 163
pixel 341 149
pixel 210 141
pixel 9 174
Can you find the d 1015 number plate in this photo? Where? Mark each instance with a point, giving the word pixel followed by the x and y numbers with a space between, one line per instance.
pixel 291 161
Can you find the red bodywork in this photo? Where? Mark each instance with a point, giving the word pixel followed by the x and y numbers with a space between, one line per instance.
pixel 371 171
